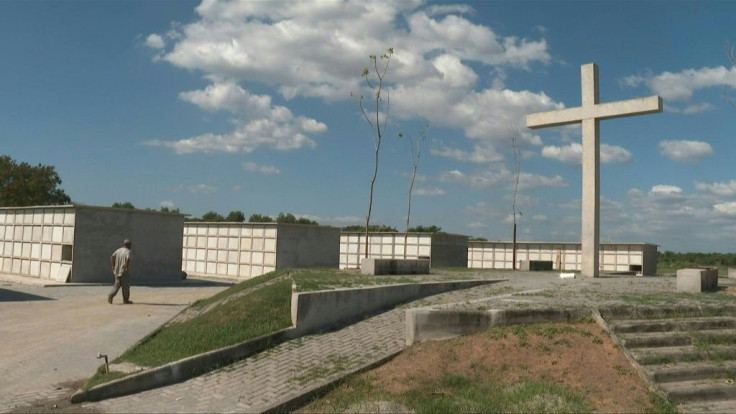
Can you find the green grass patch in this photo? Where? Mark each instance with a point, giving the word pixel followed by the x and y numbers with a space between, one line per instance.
pixel 237 288
pixel 101 377
pixel 258 313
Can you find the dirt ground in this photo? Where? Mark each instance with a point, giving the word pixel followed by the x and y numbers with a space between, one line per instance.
pixel 581 357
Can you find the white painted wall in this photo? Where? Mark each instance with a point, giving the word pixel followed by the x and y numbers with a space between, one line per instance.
pixel 32 241
pixel 390 245
pixel 614 257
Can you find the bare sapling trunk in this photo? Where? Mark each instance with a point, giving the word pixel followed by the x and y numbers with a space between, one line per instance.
pixel 514 136
pixel 377 120
pixel 416 154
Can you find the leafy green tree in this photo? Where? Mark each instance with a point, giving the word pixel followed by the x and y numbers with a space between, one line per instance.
pixel 425 229
pixel 304 220
pixel 236 216
pixel 169 210
pixel 373 228
pixel 212 216
pixel 22 184
pixel 377 118
pixel 125 204
pixel 286 218
pixel 260 218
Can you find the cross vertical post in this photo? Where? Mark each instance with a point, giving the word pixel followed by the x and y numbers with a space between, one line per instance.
pixel 589 115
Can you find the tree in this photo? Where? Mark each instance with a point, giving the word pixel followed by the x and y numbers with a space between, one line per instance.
pixel 425 229
pixel 260 218
pixel 212 216
pixel 236 216
pixel 514 136
pixel 125 204
pixel 169 210
pixel 375 122
pixel 289 218
pixel 25 185
pixel 416 154
pixel 373 228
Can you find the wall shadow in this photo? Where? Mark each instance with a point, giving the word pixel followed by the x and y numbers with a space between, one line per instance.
pixel 7 295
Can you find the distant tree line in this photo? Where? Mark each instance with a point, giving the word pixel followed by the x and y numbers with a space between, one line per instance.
pixel 238 216
pixel 696 259
pixel 380 228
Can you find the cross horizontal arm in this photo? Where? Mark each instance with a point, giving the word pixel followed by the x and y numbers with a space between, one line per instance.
pixel 554 118
pixel 629 107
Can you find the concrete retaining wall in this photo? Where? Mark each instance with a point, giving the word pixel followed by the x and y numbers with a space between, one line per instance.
pixel 433 324
pixel 312 311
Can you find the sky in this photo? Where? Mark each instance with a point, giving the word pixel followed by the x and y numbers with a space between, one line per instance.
pixel 251 106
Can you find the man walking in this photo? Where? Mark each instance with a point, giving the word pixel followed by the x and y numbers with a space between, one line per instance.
pixel 120 263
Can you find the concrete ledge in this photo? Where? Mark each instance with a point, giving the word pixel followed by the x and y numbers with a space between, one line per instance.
pixel 432 324
pixel 313 311
pixel 535 265
pixel 697 279
pixel 181 370
pixel 652 312
pixel 373 266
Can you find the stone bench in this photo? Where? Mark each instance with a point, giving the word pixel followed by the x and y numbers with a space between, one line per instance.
pixel 697 279
pixel 534 265
pixel 372 266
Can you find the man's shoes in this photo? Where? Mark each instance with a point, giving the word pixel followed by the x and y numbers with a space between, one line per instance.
pixel 109 300
pixel 127 302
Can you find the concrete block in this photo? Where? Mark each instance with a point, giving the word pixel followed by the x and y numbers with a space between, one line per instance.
pixel 732 272
pixel 697 279
pixel 373 266
pixel 535 265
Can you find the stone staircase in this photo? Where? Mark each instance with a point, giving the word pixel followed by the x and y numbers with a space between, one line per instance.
pixel 688 353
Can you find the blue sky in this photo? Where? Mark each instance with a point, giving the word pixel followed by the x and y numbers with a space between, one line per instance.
pixel 246 106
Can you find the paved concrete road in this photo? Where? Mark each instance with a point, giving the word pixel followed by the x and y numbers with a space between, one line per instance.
pixel 52 335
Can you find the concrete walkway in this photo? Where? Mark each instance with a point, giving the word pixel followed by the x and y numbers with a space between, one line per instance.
pixel 305 364
pixel 50 336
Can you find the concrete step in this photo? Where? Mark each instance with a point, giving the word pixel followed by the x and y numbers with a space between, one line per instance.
pixel 700 390
pixel 655 339
pixel 692 371
pixel 724 406
pixel 665 325
pixel 676 354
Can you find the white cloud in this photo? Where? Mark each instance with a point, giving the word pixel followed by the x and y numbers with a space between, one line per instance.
pixel 689 152
pixel 258 123
pixel 429 191
pixel 572 154
pixel 316 50
pixel 480 154
pixel 690 109
pixel 529 181
pixel 155 41
pixel 682 85
pixel 167 203
pixel 728 209
pixel 500 177
pixel 196 189
pixel 263 169
pixel 720 189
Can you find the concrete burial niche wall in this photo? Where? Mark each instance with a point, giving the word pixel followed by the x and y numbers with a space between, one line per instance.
pixel 157 244
pixel 444 250
pixel 245 250
pixel 614 257
pixel 37 241
pixel 74 243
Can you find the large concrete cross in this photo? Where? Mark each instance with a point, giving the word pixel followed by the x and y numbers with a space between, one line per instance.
pixel 589 114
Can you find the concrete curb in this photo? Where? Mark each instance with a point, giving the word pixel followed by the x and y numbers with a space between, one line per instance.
pixel 433 324
pixel 315 311
pixel 370 301
pixel 181 370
